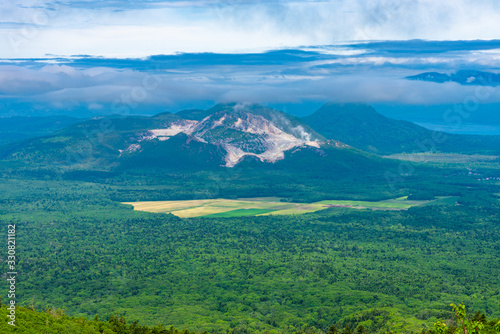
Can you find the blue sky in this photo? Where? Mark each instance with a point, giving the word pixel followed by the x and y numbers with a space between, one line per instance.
pixel 96 57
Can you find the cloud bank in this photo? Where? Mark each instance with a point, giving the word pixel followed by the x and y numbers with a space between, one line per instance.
pixel 360 72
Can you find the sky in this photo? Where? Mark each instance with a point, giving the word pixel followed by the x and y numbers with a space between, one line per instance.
pixel 115 28
pixel 142 57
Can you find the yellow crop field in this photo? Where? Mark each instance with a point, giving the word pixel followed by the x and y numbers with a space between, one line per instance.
pixel 261 206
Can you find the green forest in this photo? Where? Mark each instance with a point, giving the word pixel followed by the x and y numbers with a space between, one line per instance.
pixel 382 271
pixel 56 321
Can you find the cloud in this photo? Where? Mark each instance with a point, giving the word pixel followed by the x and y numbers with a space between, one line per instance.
pixel 359 72
pixel 142 28
pixel 109 90
pixel 21 81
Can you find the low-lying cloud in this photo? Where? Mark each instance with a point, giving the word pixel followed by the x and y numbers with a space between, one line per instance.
pixel 370 72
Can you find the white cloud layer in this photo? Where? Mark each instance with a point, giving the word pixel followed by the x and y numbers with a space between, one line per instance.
pixel 141 28
pixel 110 90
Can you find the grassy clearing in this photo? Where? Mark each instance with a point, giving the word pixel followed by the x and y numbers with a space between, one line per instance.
pixel 399 204
pixel 240 213
pixel 297 209
pixel 261 206
pixel 444 157
pixel 450 159
pixel 199 208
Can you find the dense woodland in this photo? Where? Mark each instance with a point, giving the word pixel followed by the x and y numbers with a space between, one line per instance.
pixel 382 270
pixel 55 321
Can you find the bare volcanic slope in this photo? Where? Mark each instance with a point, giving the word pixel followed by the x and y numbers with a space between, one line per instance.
pixel 240 131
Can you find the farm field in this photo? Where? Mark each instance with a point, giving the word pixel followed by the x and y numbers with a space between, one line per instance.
pixel 222 208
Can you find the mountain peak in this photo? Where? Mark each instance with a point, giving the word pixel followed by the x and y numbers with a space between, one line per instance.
pixel 361 126
pixel 243 130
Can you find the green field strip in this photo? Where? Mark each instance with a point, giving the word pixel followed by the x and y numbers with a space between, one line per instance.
pixel 239 213
pixel 444 201
pixel 200 211
pixel 366 204
pixel 400 204
pixel 297 210
pixel 217 206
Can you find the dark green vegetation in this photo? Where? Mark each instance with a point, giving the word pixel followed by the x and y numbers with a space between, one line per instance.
pixel 52 321
pixel 359 125
pixel 29 320
pixel 478 324
pixel 384 270
pixel 91 144
pixel 395 271
pixel 177 153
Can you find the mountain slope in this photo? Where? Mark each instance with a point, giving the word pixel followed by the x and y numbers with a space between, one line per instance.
pixel 94 143
pixel 229 134
pixel 14 129
pixel 239 131
pixel 180 152
pixel 360 126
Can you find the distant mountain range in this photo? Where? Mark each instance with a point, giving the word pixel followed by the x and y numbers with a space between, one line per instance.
pixel 223 136
pixel 342 137
pixel 464 77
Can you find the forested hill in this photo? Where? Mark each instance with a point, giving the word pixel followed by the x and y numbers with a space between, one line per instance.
pixel 361 126
pixel 55 321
